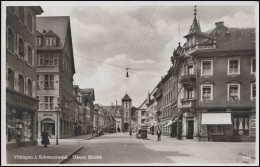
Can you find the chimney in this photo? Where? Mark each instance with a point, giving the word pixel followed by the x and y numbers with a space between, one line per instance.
pixel 219 24
pixel 112 104
pixel 116 103
pixel 44 31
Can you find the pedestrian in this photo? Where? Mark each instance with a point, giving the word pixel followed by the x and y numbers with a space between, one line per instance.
pixel 45 138
pixel 159 135
pixel 130 133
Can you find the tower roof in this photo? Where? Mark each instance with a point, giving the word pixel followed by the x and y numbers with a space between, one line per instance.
pixel 195 27
pixel 126 98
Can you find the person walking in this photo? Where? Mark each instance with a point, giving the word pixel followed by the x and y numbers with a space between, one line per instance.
pixel 45 138
pixel 159 135
pixel 130 133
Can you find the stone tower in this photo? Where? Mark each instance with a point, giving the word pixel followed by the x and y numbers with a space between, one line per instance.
pixel 126 105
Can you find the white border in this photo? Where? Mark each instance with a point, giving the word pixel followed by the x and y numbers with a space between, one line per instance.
pixel 201 91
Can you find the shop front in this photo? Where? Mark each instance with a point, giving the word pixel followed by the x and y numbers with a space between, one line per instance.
pixel 20 119
pixel 47 121
pixel 233 126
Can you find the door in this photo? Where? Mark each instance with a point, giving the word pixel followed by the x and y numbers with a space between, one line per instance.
pixel 190 129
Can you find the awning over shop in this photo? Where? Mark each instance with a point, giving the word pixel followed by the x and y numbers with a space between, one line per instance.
pixel 169 123
pixel 216 119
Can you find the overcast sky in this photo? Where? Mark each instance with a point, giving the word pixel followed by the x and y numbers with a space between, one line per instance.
pixel 111 33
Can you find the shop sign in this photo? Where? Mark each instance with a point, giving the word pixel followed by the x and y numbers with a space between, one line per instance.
pixel 47 114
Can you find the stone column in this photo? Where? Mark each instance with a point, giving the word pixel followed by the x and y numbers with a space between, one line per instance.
pixel 184 128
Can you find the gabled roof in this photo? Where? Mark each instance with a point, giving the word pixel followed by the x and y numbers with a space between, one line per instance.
pixel 126 98
pixel 58 24
pixel 51 33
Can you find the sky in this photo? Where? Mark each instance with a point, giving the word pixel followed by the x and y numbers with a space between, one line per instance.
pixel 135 37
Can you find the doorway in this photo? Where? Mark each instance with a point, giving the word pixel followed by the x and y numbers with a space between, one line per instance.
pixel 190 129
pixel 49 125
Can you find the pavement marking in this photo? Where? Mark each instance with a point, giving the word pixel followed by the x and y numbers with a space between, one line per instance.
pixel 64 160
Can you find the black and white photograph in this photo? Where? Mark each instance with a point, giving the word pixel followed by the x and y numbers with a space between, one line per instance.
pixel 130 83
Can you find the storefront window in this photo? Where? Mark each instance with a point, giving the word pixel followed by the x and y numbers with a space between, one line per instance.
pixel 241 125
pixel 19 125
pixel 217 130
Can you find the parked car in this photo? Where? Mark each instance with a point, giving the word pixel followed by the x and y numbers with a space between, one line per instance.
pixel 142 133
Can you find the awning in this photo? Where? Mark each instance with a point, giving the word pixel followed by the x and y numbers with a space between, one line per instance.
pixel 169 123
pixel 216 119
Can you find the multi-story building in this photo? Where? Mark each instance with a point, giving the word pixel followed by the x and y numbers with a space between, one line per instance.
pixel 88 110
pixel 21 102
pixel 55 70
pixel 217 83
pixel 142 116
pixel 158 94
pixel 151 111
pixel 78 110
pixel 116 111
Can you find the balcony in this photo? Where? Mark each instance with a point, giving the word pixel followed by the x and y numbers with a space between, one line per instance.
pixel 187 103
pixel 188 80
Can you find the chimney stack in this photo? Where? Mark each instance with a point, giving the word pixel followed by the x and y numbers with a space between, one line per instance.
pixel 116 103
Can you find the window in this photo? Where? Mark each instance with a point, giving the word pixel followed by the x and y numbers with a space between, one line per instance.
pixel 190 69
pixel 51 60
pixel 46 102
pixel 233 91
pixel 190 93
pixel 38 98
pixel 21 13
pixel 51 103
pixel 46 60
pixel 55 59
pixel 253 66
pixel 30 56
pixel 206 92
pixel 29 21
pixel 48 81
pixel 29 87
pixel 233 66
pixel 38 41
pixel 10 79
pixel 207 67
pixel 241 125
pixel 37 81
pixel 21 47
pixel 21 83
pixel 253 91
pixel 217 130
pixel 10 38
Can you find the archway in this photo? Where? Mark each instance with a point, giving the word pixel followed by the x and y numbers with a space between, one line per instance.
pixel 126 126
pixel 49 125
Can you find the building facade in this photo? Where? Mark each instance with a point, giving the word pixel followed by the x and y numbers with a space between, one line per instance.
pixel 216 73
pixel 55 70
pixel 21 102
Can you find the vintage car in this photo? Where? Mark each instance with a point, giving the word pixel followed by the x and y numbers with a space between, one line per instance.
pixel 141 133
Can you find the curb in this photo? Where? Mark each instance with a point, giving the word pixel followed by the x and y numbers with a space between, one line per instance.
pixel 64 160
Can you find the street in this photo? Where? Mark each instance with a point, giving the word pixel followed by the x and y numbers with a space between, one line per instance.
pixel 120 148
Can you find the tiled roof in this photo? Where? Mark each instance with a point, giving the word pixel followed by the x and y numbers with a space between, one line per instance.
pixel 58 24
pixel 113 110
pixel 235 45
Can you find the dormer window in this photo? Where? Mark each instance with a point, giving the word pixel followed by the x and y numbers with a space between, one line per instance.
pixel 50 41
pixel 38 41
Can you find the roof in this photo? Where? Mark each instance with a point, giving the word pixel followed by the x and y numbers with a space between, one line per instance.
pixel 58 24
pixel 235 45
pixel 113 110
pixel 126 98
pixel 88 91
